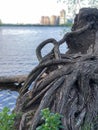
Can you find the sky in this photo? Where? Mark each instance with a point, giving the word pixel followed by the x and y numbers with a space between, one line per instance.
pixel 28 11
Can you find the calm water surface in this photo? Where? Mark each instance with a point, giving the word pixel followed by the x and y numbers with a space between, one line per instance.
pixel 17 53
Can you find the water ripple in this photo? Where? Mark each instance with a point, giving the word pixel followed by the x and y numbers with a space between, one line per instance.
pixel 17 53
pixel 8 99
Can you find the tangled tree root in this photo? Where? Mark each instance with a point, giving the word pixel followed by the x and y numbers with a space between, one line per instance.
pixel 66 83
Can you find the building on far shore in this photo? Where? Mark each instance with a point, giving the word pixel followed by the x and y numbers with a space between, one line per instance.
pixel 62 17
pixel 45 20
pixel 54 20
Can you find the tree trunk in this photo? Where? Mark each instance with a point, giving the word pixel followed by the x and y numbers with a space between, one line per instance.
pixel 66 83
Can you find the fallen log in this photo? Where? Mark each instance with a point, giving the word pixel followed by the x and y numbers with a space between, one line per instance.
pixel 12 82
pixel 13 79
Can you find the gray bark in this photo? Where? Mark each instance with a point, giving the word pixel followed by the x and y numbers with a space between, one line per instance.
pixel 66 83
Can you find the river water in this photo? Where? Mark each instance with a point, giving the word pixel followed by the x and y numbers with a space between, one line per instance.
pixel 17 53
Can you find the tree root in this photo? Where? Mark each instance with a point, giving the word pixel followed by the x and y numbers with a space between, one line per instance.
pixel 66 83
pixel 70 91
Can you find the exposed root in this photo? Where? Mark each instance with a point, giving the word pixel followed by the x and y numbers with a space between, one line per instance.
pixel 66 83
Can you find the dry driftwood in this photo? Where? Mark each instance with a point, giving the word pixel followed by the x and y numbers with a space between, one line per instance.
pixel 12 82
pixel 66 83
pixel 13 79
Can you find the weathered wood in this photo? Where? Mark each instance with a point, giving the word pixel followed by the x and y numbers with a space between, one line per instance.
pixel 68 83
pixel 13 79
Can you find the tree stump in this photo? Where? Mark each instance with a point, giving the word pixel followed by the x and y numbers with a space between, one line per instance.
pixel 65 83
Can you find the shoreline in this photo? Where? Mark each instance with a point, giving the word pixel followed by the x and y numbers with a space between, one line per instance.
pixel 34 25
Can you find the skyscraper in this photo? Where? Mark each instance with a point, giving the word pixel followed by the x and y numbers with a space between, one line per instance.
pixel 42 20
pixel 45 20
pixel 62 16
pixel 53 20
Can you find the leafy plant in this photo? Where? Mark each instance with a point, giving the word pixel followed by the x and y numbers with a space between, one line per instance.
pixel 6 119
pixel 51 120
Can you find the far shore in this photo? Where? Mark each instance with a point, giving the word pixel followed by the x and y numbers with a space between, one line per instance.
pixel 36 25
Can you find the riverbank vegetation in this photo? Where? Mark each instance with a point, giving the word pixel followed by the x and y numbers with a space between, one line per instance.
pixel 52 120
pixel 7 119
